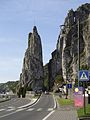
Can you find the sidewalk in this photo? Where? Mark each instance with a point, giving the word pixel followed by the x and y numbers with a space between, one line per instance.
pixel 64 113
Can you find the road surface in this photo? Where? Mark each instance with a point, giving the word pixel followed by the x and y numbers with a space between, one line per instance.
pixel 39 111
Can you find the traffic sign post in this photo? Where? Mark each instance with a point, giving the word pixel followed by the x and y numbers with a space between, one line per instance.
pixel 84 98
pixel 69 86
pixel 84 76
pixel 89 74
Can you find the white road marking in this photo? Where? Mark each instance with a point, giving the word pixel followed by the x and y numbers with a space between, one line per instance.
pixel 48 115
pixel 11 113
pixel 11 109
pixel 31 109
pixel 39 109
pixel 55 105
pixel 50 109
pixel 19 110
pixel 2 110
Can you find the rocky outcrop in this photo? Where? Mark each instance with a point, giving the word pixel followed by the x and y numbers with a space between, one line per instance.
pixel 32 71
pixel 64 59
pixel 79 19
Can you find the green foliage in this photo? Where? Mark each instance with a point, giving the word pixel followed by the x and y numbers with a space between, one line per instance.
pixel 58 79
pixel 12 86
pixel 81 111
pixel 28 88
pixel 46 82
pixel 63 101
pixel 84 67
pixel 23 92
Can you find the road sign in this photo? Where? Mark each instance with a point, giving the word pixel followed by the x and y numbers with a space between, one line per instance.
pixel 83 75
pixel 69 86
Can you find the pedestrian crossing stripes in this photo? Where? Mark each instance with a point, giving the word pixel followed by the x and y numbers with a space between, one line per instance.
pixel 9 109
pixel 2 110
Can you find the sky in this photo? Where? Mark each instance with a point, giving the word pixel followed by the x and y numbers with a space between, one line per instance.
pixel 17 18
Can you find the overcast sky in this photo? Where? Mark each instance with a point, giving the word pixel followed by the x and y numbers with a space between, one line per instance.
pixel 17 18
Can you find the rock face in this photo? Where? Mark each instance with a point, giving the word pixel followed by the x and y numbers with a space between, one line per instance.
pixel 54 67
pixel 32 71
pixel 69 35
pixel 65 58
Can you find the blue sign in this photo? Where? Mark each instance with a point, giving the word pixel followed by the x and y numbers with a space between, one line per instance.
pixel 83 75
pixel 69 86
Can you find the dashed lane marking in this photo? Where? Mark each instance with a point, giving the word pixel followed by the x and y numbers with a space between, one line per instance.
pixel 39 109
pixel 2 110
pixel 31 109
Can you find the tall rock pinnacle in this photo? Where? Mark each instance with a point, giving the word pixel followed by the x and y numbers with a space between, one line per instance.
pixel 32 71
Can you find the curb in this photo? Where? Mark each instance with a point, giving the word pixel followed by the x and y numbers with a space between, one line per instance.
pixel 84 118
pixel 55 102
pixel 30 104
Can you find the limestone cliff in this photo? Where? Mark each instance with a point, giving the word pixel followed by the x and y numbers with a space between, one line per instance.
pixel 64 59
pixel 79 19
pixel 32 71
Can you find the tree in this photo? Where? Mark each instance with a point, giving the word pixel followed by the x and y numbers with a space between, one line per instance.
pixel 58 79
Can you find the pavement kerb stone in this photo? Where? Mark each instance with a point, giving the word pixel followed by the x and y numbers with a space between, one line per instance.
pixel 55 102
pixel 84 118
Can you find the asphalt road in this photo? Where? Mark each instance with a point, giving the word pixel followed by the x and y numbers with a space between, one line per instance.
pixel 15 102
pixel 36 112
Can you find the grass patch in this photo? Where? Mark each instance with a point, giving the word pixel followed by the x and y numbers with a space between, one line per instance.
pixel 81 111
pixel 63 101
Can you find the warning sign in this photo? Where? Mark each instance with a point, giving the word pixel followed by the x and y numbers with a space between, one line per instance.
pixel 83 75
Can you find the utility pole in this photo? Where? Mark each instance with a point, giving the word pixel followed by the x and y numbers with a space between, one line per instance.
pixel 78 49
